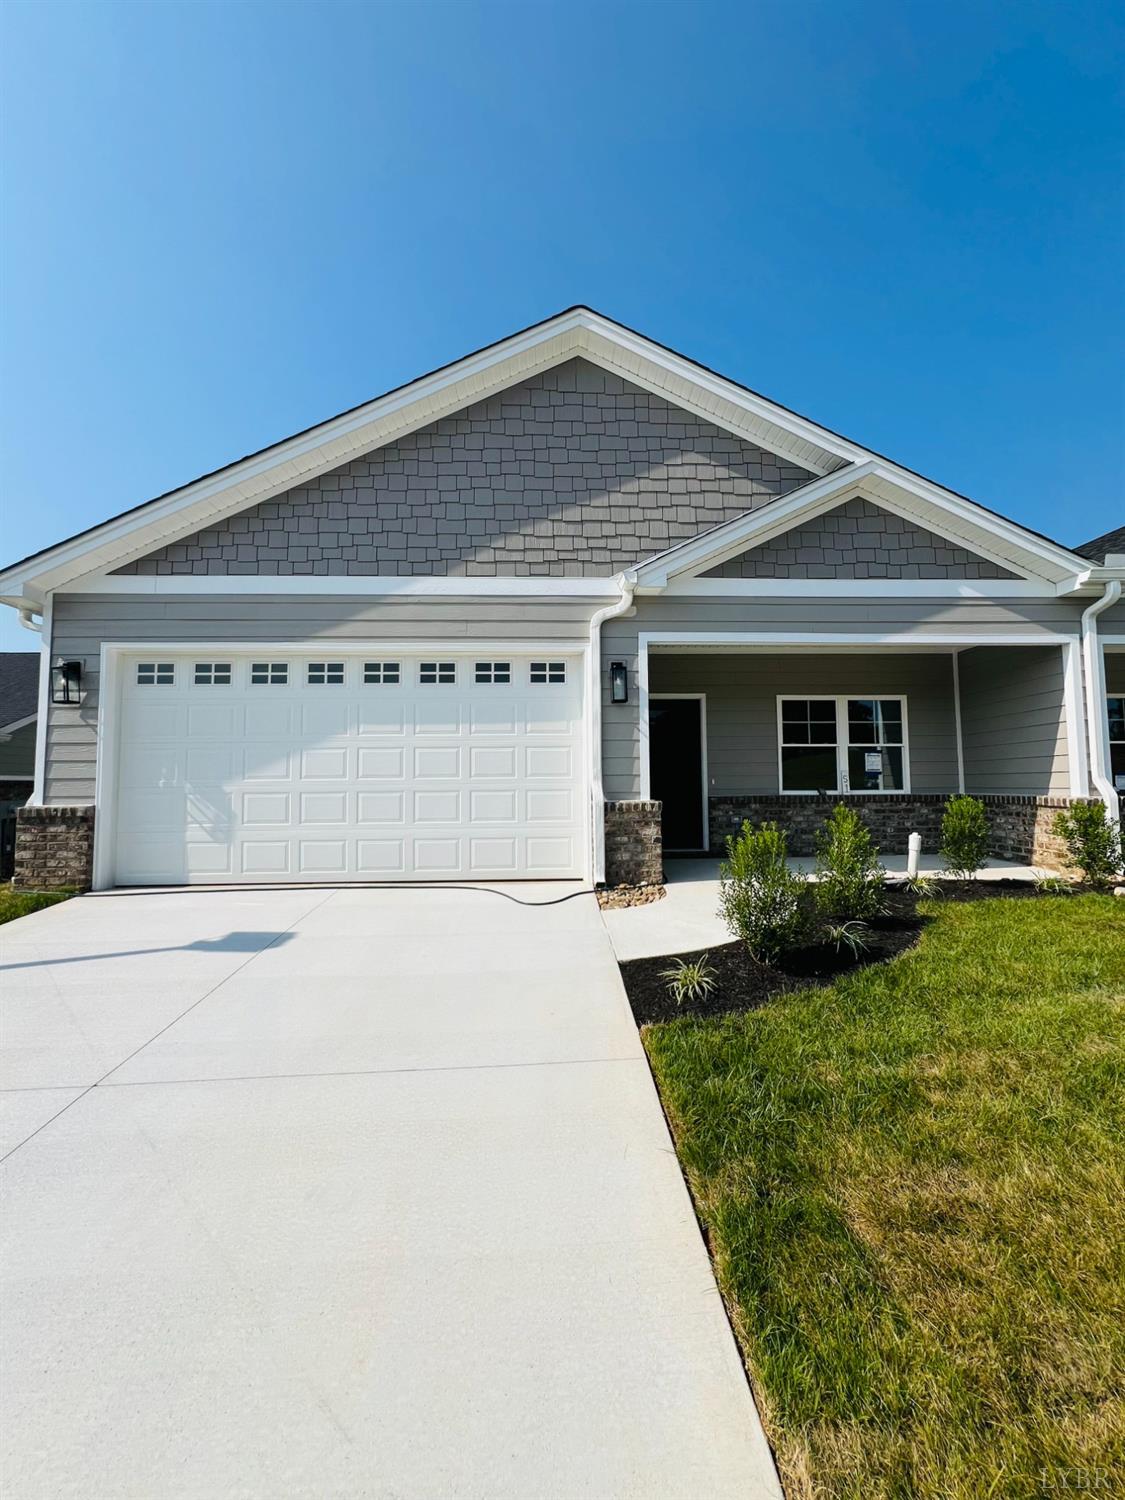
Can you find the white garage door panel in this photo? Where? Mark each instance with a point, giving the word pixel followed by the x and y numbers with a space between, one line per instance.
pixel 362 781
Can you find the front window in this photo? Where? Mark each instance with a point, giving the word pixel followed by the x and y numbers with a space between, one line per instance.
pixel 1117 742
pixel 842 744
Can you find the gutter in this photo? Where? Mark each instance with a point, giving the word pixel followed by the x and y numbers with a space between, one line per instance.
pixel 627 583
pixel 1095 697
pixel 28 623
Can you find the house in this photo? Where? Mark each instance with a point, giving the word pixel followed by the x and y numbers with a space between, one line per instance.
pixel 19 699
pixel 548 611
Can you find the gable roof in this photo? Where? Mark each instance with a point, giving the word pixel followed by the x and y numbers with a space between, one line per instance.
pixel 898 490
pixel 579 331
pixel 19 688
pixel 1101 547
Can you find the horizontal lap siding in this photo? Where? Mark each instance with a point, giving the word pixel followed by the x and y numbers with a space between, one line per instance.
pixel 742 692
pixel 82 623
pixel 786 617
pixel 1013 720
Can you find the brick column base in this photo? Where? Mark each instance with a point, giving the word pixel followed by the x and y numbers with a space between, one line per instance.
pixel 633 850
pixel 54 848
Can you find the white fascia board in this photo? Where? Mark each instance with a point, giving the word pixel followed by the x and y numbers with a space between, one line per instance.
pixel 856 588
pixel 800 640
pixel 14 726
pixel 332 443
pixel 358 586
pixel 299 459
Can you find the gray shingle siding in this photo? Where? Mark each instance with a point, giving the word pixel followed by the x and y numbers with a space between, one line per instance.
pixel 575 471
pixel 859 540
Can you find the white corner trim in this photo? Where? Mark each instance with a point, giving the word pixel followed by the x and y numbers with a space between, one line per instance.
pixel 359 586
pixel 956 654
pixel 1077 761
pixel 45 632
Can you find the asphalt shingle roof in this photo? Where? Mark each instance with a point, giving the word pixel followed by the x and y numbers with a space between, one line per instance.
pixel 1099 548
pixel 19 685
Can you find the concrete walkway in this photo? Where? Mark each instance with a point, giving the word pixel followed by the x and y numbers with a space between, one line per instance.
pixel 348 1193
pixel 687 919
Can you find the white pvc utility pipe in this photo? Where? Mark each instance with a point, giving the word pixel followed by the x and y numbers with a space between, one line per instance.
pixel 626 582
pixel 1095 697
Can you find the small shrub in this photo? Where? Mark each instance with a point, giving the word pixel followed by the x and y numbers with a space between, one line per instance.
pixel 1052 885
pixel 1092 841
pixel 922 887
pixel 850 935
pixel 760 899
pixel 964 836
pixel 850 883
pixel 692 979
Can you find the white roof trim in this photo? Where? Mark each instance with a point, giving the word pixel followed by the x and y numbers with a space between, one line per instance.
pixel 297 460
pixel 10 729
pixel 893 489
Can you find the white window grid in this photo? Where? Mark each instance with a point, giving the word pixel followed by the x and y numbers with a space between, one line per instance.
pixel 495 672
pixel 156 674
pixel 382 673
pixel 212 674
pixel 269 673
pixel 843 742
pixel 325 674
pixel 547 672
pixel 431 673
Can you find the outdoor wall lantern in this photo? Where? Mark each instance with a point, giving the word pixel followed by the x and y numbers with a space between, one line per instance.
pixel 66 682
pixel 618 682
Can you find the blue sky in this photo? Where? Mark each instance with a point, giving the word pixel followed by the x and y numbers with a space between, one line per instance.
pixel 224 222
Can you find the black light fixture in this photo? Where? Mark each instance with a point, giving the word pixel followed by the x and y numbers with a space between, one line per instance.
pixel 618 682
pixel 66 682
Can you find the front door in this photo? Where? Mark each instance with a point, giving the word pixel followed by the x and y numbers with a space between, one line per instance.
pixel 676 770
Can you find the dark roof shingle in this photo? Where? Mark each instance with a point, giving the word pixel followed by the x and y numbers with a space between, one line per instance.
pixel 1099 548
pixel 19 685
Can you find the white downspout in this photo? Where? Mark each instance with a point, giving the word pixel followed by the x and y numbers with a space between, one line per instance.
pixel 626 582
pixel 28 623
pixel 1095 697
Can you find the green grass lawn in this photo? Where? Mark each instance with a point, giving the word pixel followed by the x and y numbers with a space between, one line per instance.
pixel 913 1186
pixel 15 904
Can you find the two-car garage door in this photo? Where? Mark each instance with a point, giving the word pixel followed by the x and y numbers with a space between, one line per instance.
pixel 281 765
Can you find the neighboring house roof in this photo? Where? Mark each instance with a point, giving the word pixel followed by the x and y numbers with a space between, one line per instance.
pixel 1101 547
pixel 580 332
pixel 19 688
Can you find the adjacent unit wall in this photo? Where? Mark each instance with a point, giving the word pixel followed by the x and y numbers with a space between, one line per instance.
pixel 1013 721
pixel 17 754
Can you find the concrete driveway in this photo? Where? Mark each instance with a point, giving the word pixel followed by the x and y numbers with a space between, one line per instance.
pixel 348 1193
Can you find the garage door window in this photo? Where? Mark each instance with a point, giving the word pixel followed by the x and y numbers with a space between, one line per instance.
pixel 381 673
pixel 430 672
pixel 269 673
pixel 326 674
pixel 494 671
pixel 155 674
pixel 548 672
pixel 212 674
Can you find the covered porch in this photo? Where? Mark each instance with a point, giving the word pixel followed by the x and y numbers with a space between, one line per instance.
pixel 741 730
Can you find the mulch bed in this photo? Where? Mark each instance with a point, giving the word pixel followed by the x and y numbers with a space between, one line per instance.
pixel 743 984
